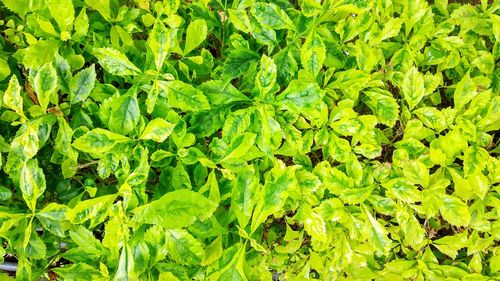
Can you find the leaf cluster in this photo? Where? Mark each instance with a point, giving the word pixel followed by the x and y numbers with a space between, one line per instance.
pixel 250 140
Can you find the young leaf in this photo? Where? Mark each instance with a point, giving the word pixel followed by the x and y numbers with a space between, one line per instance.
pixel 98 141
pixel 303 98
pixel 266 77
pixel 413 87
pixel 95 210
pixel 455 211
pixel 81 25
pixel 243 198
pixel 221 93
pixel 315 225
pixel 377 235
pixel 32 183
pixel 12 96
pixel 159 43
pixel 313 53
pixel 271 15
pixel 239 146
pixel 82 85
pixel 52 217
pixel 45 84
pixel 196 33
pixel 115 62
pixel 464 92
pixel 185 96
pixel 125 270
pixel 183 247
pixel 385 107
pixel 175 209
pixel 158 130
pixel 102 6
pixel 125 115
pixel 475 159
pixel 63 13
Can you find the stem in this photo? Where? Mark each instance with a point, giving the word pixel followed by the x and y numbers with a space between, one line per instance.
pixel 83 166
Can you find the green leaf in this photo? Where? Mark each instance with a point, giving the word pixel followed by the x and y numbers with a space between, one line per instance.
pixel 431 117
pixel 313 53
pixel 414 234
pixel 391 28
pixel 45 83
pixel 82 85
pixel 238 147
pixel 159 43
pixel 239 19
pixel 92 209
pixel 12 96
pixel 175 209
pixel 315 225
pixel 416 172
pixel 269 134
pixel 32 183
pixel 40 53
pixel 221 93
pixel 401 189
pixel 413 87
pixel 384 106
pixel 99 141
pixel 377 234
pixel 455 211
pixel 86 241
pixel 78 272
pixel 115 62
pixel 4 69
pixel 465 91
pixel 475 159
pixel 244 195
pixel 303 98
pixel 52 218
pixel 5 194
pixel 238 62
pixel 196 33
pixel 125 115
pixel 125 270
pixel 183 248
pixel 270 15
pixel 279 181
pixel 63 13
pixel 185 96
pixel 21 7
pixel 286 65
pixel 158 130
pixel 102 6
pixel 81 25
pixel 63 71
pixel 266 77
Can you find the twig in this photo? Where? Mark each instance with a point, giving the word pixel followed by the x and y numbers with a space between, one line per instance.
pixel 83 166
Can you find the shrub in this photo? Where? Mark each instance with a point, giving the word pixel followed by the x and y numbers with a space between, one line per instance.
pixel 250 140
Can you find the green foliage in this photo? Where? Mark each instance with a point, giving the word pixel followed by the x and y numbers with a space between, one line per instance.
pixel 250 140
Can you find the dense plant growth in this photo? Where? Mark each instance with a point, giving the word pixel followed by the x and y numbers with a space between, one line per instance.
pixel 250 140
